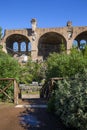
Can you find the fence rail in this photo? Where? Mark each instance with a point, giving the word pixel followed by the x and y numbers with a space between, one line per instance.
pixel 16 89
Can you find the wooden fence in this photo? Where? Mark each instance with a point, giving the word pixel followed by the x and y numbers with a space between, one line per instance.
pixel 11 81
pixel 47 88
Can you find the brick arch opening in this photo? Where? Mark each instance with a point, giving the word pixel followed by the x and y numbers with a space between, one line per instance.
pixel 50 42
pixel 80 40
pixel 15 42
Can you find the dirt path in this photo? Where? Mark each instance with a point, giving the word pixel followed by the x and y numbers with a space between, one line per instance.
pixel 9 117
pixel 12 118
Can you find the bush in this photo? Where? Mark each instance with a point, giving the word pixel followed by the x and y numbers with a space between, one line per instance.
pixel 71 101
pixel 51 104
pixel 70 98
pixel 63 65
pixel 9 68
pixel 32 71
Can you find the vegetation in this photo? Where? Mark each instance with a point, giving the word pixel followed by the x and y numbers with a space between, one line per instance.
pixel 68 99
pixel 71 101
pixel 9 68
pixel 63 65
pixel 32 71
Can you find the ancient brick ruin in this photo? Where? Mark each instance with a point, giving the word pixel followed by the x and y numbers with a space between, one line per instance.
pixel 38 43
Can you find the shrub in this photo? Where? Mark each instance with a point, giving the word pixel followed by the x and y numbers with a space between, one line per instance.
pixel 63 65
pixel 9 68
pixel 71 101
pixel 70 98
pixel 32 71
pixel 51 104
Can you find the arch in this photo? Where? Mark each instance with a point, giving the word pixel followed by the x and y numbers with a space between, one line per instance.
pixel 82 44
pixel 81 40
pixel 20 41
pixel 15 46
pixel 75 43
pixel 23 46
pixel 50 42
pixel 29 46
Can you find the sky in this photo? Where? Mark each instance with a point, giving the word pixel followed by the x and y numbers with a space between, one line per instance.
pixel 17 14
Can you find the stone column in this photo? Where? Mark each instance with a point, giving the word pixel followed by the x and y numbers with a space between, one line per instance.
pixel 78 44
pixel 26 47
pixel 69 45
pixel 4 47
pixel 34 39
pixel 34 24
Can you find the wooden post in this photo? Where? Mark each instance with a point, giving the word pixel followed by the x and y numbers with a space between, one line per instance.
pixel 15 92
pixel 16 89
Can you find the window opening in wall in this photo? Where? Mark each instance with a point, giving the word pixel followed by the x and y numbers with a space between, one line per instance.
pixel 15 46
pixel 82 44
pixel 23 46
pixel 75 43
pixel 29 46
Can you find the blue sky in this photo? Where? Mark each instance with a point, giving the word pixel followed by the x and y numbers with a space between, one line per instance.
pixel 16 14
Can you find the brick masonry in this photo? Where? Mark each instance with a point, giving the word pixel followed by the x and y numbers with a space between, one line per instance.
pixel 44 40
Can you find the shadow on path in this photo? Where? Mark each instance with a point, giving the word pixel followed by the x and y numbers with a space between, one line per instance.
pixel 39 118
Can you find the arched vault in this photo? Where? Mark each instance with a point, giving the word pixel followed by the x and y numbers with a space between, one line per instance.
pixel 50 42
pixel 81 39
pixel 18 39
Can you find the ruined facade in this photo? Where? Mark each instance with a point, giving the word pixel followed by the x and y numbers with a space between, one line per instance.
pixel 40 42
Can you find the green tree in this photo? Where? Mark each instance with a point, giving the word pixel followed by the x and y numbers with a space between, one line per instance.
pixel 62 47
pixel 32 71
pixel 9 68
pixel 70 95
pixel 63 65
